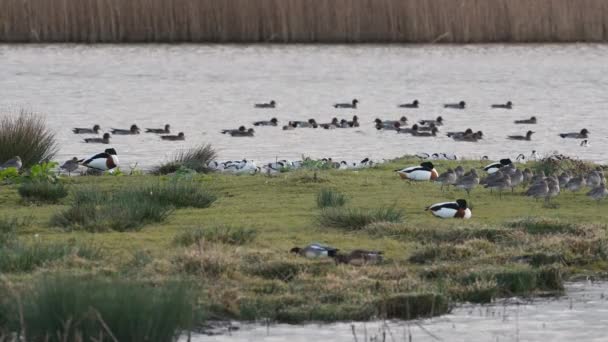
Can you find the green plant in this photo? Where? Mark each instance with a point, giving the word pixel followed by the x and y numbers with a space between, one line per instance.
pixel 330 198
pixel 355 219
pixel 221 234
pixel 26 136
pixel 181 193
pixel 70 308
pixel 42 191
pixel 25 257
pixel 9 176
pixel 128 209
pixel 43 172
pixel 196 159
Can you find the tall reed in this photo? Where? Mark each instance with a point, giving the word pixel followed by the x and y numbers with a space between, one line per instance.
pixel 25 135
pixel 327 21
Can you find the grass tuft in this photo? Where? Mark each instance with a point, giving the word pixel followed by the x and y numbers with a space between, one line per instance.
pixel 23 257
pixel 70 308
pixel 42 192
pixel 196 159
pixel 330 198
pixel 26 136
pixel 216 234
pixel 356 219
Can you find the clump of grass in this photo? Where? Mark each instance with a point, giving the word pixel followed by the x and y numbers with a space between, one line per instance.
pixel 8 228
pixel 519 279
pixel 196 158
pixel 215 234
pixel 124 210
pixel 70 308
pixel 330 198
pixel 42 192
pixel 181 194
pixel 26 136
pixel 413 305
pixel 23 257
pixel 533 225
pixel 356 219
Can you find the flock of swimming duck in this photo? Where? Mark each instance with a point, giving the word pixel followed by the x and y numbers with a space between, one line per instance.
pixel 422 128
pixel 133 130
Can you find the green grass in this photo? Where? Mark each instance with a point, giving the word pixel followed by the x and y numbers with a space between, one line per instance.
pixel 72 308
pixel 42 192
pixel 220 234
pixel 510 245
pixel 19 257
pixel 355 219
pixel 330 198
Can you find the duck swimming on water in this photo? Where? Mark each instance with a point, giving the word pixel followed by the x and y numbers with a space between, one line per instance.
pixel 271 104
pixel 133 130
pixel 583 134
pixel 353 104
pixel 165 130
pixel 94 130
pixel 414 104
pixel 271 122
pixel 530 121
pixel 459 105
pixel 179 136
pixel 104 140
pixel 527 137
pixel 508 105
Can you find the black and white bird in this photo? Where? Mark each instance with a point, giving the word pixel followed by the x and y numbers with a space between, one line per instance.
pixel 271 104
pixel 456 209
pixel 14 162
pixel 508 105
pixel 165 130
pixel 131 131
pixel 105 161
pixel 353 104
pixel 491 168
pixel 94 130
pixel 424 172
pixel 104 140
pixel 414 104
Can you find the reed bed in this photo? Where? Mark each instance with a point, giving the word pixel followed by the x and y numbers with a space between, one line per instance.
pixel 303 21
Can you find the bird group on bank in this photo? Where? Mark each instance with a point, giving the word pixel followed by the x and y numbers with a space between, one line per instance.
pixel 272 168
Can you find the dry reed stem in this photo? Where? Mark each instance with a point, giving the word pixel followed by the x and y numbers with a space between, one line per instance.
pixel 305 21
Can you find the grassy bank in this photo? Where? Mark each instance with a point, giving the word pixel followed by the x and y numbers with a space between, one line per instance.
pixel 235 249
pixel 305 21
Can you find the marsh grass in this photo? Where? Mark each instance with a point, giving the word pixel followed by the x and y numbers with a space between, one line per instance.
pixel 21 257
pixel 330 198
pixel 196 158
pixel 27 136
pixel 71 308
pixel 356 219
pixel 42 192
pixel 180 194
pixel 124 210
pixel 215 234
pixel 295 21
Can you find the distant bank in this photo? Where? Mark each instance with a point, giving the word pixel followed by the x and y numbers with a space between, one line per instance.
pixel 304 21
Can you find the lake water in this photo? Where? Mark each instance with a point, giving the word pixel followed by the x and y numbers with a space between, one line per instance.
pixel 201 89
pixel 581 315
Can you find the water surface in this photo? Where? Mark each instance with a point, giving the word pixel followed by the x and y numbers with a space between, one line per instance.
pixel 201 89
pixel 581 315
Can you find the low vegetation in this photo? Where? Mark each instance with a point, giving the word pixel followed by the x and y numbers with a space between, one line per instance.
pixel 42 192
pixel 196 158
pixel 236 250
pixel 330 198
pixel 27 136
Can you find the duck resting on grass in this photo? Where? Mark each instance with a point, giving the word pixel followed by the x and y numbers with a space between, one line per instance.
pixel 105 161
pixel 360 257
pixel 315 250
pixel 425 172
pixel 456 209
pixel 491 168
